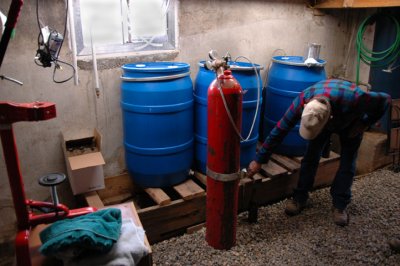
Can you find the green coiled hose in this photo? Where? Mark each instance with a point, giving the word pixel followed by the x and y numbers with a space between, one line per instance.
pixel 379 58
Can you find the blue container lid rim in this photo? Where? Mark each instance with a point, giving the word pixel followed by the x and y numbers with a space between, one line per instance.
pixel 156 66
pixel 238 66
pixel 295 61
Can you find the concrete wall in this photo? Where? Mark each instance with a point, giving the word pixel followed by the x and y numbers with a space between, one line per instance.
pixel 255 29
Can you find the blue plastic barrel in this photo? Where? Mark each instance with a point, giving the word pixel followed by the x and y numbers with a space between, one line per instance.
pixel 246 76
pixel 287 77
pixel 157 111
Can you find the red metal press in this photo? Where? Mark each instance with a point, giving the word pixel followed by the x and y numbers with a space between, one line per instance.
pixel 11 113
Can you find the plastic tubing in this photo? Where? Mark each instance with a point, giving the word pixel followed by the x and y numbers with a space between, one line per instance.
pixel 380 58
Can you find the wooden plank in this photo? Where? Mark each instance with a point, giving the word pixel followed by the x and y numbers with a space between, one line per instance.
pixel 258 177
pixel 372 152
pixel 332 157
pixel 395 139
pixel 374 3
pixel 158 221
pixel 274 189
pixel 326 172
pixel 395 110
pixel 248 191
pixel 158 195
pixel 348 3
pixel 117 185
pixel 270 190
pixel 286 162
pixel 271 169
pixel 244 181
pixel 202 178
pixel 356 3
pixel 189 190
pixel 93 200
pixel 195 228
pixel 180 216
pixel 118 199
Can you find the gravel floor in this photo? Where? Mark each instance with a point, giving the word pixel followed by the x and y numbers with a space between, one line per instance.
pixel 310 238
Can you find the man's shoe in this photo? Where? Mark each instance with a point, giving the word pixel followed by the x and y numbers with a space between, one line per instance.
pixel 294 207
pixel 395 244
pixel 340 217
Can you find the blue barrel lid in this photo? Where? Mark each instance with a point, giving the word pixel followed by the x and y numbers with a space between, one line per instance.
pixel 295 61
pixel 154 71
pixel 239 66
pixel 156 67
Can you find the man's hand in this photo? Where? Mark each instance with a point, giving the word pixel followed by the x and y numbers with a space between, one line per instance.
pixel 254 167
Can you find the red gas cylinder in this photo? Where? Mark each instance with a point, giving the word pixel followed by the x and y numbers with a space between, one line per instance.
pixel 223 160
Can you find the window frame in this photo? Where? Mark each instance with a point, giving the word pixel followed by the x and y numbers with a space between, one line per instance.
pixel 169 42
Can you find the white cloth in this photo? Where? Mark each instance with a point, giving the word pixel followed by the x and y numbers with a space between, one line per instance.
pixel 127 251
pixel 310 62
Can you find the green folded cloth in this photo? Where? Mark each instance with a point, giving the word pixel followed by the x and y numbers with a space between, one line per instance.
pixel 94 231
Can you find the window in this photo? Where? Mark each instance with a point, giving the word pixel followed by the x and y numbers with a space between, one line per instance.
pixel 119 26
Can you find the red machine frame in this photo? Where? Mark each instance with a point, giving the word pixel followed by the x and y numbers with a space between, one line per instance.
pixel 12 113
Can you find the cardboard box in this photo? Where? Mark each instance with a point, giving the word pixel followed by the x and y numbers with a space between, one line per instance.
pixel 84 162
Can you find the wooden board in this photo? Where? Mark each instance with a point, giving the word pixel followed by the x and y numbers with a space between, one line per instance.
pixel 117 185
pixel 117 199
pixel 332 156
pixel 279 179
pixel 161 221
pixel 395 140
pixel 159 196
pixel 286 162
pixel 195 228
pixel 189 190
pixel 395 114
pixel 355 3
pixel 372 153
pixel 201 177
pixel 166 219
pixel 92 199
pixel 272 169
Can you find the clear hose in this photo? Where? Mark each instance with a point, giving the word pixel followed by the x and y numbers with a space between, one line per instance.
pixel 228 112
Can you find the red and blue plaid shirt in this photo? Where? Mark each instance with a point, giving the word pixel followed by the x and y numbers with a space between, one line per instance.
pixel 348 103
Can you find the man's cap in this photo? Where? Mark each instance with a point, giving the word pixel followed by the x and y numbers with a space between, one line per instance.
pixel 315 115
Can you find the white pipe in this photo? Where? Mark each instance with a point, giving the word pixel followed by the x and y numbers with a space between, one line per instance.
pixel 96 74
pixel 72 38
pixel 94 59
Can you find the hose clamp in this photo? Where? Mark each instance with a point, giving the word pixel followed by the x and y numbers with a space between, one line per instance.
pixel 223 177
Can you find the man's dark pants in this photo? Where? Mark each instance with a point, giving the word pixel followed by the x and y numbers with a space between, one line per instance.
pixel 341 186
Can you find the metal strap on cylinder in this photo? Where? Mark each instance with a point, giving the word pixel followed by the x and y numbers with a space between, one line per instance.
pixel 223 177
pixel 155 78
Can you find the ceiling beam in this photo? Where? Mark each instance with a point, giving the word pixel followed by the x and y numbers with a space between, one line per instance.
pixel 322 4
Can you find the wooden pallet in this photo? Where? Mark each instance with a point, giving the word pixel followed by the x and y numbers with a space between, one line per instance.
pixel 168 212
pixel 163 212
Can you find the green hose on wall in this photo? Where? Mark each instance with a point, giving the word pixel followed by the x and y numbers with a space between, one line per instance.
pixel 377 58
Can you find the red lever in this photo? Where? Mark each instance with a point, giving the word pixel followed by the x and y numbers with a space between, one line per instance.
pixel 16 112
